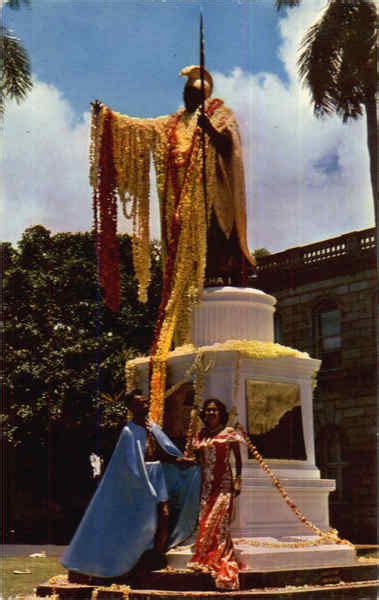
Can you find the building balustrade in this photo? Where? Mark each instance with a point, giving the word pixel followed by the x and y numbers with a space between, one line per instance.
pixel 351 245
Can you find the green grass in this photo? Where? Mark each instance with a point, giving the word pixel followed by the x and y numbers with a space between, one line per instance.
pixel 12 585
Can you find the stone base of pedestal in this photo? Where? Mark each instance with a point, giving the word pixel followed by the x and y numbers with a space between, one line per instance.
pixel 261 511
pixel 324 583
pixel 266 558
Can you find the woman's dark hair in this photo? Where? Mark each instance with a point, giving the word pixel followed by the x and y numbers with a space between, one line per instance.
pixel 221 407
pixel 129 396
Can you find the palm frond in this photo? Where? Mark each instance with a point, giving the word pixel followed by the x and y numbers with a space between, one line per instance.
pixel 16 79
pixel 15 4
pixel 337 60
pixel 286 4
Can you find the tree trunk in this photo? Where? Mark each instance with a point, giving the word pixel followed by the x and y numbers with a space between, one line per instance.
pixel 372 142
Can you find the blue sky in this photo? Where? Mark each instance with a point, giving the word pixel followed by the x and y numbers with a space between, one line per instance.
pixel 306 179
pixel 116 49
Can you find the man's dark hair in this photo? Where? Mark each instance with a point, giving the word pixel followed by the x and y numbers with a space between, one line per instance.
pixel 129 396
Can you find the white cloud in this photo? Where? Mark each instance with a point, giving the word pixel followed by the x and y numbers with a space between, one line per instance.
pixel 45 163
pixel 292 28
pixel 45 167
pixel 292 199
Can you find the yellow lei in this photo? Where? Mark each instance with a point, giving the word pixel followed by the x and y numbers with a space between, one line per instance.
pixel 134 142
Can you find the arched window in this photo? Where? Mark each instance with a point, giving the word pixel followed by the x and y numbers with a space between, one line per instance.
pixel 327 334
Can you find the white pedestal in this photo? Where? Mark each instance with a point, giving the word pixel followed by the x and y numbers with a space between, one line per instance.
pixel 262 512
pixel 247 314
pixel 230 313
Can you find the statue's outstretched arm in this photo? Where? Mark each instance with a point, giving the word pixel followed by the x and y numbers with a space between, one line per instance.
pixel 143 124
pixel 120 157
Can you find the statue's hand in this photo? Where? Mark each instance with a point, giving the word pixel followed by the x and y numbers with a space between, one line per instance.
pixel 220 139
pixel 205 124
pixel 97 105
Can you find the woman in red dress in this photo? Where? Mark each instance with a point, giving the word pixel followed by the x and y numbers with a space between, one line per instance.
pixel 214 552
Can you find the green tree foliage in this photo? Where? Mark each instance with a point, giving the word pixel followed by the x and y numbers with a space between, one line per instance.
pixel 259 252
pixel 62 346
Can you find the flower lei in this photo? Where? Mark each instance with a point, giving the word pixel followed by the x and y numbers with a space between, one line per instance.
pixel 200 368
pixel 245 348
pixel 103 179
pixel 184 237
pixel 250 349
pixel 119 165
pixel 330 536
pixel 115 587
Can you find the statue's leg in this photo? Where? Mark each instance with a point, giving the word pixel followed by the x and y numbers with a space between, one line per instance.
pixel 226 263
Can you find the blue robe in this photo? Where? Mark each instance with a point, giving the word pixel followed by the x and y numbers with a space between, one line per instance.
pixel 121 519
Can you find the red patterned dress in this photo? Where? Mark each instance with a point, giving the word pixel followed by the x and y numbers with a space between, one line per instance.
pixel 214 551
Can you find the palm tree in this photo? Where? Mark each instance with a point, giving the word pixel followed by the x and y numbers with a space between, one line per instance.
pixel 338 64
pixel 16 80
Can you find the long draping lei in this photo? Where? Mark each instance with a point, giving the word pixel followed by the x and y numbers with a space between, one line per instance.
pixel 119 166
pixel 102 176
pixel 330 536
pixel 120 155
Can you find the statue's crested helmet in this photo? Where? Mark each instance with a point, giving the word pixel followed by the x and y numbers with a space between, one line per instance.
pixel 194 78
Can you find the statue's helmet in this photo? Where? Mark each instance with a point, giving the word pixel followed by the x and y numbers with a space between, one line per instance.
pixel 194 79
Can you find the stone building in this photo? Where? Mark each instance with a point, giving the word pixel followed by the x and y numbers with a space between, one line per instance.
pixel 327 297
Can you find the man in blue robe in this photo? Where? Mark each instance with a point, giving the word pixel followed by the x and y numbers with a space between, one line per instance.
pixel 145 501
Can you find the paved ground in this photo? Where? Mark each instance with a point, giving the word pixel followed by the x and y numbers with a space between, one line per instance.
pixel 26 550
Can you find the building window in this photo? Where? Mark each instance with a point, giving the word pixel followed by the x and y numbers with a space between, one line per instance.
pixel 329 330
pixel 327 324
pixel 331 461
pixel 278 329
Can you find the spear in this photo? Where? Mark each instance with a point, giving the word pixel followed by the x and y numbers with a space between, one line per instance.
pixel 202 61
